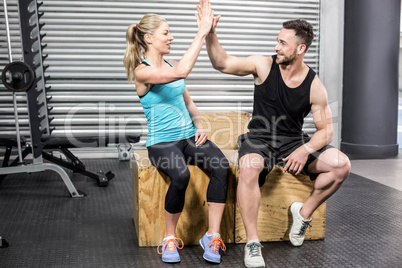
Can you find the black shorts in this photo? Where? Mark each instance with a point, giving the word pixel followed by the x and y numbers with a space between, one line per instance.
pixel 273 149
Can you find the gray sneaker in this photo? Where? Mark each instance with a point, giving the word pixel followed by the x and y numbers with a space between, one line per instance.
pixel 253 256
pixel 299 225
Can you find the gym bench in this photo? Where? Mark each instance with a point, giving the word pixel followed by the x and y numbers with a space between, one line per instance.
pixel 62 145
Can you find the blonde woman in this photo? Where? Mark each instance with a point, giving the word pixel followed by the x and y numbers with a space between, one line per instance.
pixel 176 136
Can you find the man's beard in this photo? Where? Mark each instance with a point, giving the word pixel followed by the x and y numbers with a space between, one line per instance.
pixel 287 60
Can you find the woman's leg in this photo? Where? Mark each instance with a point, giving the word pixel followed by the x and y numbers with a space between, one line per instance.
pixel 215 213
pixel 169 158
pixel 210 157
pixel 171 223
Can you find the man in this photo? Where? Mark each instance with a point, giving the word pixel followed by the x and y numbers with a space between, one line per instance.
pixel 286 90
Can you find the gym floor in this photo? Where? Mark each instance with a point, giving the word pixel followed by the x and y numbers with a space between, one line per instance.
pixel 47 228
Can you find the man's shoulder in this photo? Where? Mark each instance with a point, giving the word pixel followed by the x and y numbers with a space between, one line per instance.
pixel 263 67
pixel 318 92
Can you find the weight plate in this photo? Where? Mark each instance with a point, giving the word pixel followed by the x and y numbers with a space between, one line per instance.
pixel 17 76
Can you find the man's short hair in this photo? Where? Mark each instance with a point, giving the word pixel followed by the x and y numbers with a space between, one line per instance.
pixel 304 30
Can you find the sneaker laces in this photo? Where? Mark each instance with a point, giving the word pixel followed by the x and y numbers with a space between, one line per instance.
pixel 255 249
pixel 304 226
pixel 170 245
pixel 217 243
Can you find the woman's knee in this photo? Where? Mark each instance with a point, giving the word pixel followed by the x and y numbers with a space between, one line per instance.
pixel 180 180
pixel 219 167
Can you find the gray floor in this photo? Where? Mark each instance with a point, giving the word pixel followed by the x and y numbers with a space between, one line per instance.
pixel 47 228
pixel 384 171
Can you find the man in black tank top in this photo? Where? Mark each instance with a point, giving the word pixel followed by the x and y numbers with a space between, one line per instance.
pixel 286 90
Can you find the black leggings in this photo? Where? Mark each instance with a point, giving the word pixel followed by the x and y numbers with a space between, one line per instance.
pixel 172 159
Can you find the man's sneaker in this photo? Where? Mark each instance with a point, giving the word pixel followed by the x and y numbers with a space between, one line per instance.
pixel 299 225
pixel 253 256
pixel 169 249
pixel 211 245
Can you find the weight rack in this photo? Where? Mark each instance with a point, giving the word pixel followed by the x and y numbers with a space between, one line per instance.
pixel 42 143
pixel 36 97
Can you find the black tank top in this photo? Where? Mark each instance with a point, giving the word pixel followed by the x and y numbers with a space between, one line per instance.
pixel 279 109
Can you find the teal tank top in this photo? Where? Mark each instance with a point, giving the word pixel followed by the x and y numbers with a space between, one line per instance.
pixel 166 112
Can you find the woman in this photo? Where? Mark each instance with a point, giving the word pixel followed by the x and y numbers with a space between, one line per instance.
pixel 175 133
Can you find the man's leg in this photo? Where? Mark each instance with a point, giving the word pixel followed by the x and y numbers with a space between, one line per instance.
pixel 248 192
pixel 248 200
pixel 333 167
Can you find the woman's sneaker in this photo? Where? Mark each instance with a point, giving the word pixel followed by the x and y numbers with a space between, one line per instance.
pixel 211 245
pixel 299 225
pixel 253 256
pixel 169 249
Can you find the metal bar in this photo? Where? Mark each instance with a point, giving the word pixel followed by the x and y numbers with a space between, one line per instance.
pixel 42 167
pixel 10 58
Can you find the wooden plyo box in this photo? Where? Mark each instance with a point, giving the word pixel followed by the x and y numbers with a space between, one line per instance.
pixel 223 129
pixel 150 187
pixel 149 190
pixel 274 218
pixel 278 193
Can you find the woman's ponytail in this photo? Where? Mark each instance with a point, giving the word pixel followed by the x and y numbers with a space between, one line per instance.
pixel 136 45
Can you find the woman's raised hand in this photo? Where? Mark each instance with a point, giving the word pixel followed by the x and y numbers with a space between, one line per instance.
pixel 205 16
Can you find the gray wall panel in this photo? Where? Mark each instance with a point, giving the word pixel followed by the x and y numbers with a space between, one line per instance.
pixel 86 43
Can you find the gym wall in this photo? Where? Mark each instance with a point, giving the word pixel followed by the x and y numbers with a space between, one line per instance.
pixel 85 44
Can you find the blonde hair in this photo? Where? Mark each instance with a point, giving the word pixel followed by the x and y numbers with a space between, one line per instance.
pixel 136 45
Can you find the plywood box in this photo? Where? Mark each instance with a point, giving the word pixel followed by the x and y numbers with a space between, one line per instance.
pixel 224 128
pixel 274 218
pixel 149 190
pixel 278 193
pixel 150 187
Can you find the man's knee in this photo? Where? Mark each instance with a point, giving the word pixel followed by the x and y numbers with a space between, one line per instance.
pixel 340 165
pixel 251 166
pixel 344 167
pixel 249 175
pixel 331 161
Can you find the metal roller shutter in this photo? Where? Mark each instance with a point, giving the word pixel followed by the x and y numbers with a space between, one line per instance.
pixel 86 43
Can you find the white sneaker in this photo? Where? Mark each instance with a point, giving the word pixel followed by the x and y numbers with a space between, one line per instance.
pixel 299 225
pixel 253 256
